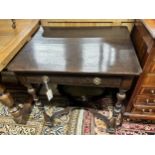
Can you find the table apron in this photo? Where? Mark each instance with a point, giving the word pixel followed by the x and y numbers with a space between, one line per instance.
pixel 107 81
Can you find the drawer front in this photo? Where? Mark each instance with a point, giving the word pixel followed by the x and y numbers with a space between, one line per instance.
pixel 142 114
pixel 145 100
pixel 75 80
pixel 147 91
pixel 145 108
pixel 149 80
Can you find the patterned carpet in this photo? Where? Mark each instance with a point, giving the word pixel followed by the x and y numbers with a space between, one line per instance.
pixel 77 122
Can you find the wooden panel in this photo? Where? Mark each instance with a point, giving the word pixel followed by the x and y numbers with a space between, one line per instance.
pixel 150 25
pixel 11 40
pixel 87 22
pixel 140 115
pixel 148 80
pixel 151 67
pixel 141 42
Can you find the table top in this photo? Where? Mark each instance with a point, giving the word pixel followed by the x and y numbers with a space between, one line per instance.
pixel 11 40
pixel 150 25
pixel 102 50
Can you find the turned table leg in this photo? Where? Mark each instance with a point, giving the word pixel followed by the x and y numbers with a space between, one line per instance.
pixel 121 95
pixel 39 104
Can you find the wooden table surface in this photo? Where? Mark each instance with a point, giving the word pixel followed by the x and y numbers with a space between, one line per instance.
pixel 104 50
pixel 12 40
pixel 150 25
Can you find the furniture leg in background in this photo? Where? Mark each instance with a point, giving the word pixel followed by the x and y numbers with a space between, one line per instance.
pixel 18 111
pixel 13 23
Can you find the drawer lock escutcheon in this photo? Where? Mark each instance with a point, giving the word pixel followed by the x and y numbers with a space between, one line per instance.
pixel 97 81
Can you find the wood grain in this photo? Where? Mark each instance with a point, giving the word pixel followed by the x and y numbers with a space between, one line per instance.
pixel 12 40
pixel 144 91
pixel 102 51
pixel 87 22
pixel 150 25
pixel 137 115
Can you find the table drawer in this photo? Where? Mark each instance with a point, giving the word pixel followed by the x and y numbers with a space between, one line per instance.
pixel 147 91
pixel 139 114
pixel 145 100
pixel 75 80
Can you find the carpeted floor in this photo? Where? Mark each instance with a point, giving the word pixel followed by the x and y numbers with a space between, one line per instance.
pixel 78 122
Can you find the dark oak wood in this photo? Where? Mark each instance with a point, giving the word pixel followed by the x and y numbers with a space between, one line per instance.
pixel 142 101
pixel 75 80
pixel 100 57
pixel 100 51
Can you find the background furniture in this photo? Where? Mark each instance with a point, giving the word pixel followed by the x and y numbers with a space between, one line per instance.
pixel 12 40
pixel 142 102
pixel 87 23
pixel 13 36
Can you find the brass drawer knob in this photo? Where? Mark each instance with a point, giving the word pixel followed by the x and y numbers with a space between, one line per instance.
pixel 97 81
pixel 143 110
pixel 147 100
pixel 152 91
pixel 150 110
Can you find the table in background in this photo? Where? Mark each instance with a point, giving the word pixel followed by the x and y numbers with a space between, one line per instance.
pixel 13 36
